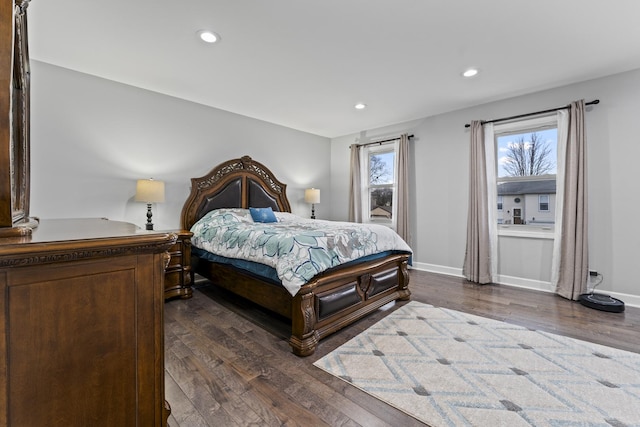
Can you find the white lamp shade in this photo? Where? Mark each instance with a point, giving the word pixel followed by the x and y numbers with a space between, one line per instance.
pixel 149 191
pixel 312 195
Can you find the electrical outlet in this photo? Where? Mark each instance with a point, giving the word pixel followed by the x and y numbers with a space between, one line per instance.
pixel 593 273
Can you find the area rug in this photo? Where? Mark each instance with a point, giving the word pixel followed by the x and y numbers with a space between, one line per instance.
pixel 447 368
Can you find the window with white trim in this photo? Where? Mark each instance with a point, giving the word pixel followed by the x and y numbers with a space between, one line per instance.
pixel 543 203
pixel 379 195
pixel 526 174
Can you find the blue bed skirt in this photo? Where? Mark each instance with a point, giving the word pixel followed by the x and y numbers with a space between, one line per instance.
pixel 269 273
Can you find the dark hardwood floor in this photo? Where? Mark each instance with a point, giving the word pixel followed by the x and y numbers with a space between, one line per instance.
pixel 228 362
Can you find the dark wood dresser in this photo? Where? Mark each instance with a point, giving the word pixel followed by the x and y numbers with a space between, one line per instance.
pixel 81 336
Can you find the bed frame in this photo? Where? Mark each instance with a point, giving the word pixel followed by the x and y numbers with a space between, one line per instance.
pixel 329 301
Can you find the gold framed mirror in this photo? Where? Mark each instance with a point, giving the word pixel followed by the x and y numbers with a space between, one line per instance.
pixel 14 120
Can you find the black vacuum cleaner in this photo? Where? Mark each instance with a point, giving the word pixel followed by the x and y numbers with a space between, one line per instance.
pixel 599 301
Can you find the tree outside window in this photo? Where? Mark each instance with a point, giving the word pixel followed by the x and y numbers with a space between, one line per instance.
pixel 528 154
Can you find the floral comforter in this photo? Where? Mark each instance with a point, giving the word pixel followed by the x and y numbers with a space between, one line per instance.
pixel 297 248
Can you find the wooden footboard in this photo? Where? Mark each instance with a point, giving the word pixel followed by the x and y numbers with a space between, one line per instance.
pixel 330 302
pixel 327 303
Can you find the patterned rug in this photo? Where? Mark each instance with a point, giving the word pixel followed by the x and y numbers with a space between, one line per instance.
pixel 448 368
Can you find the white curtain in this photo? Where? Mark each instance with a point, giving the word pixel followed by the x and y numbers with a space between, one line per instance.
pixel 570 264
pixel 480 261
pixel 402 224
pixel 355 185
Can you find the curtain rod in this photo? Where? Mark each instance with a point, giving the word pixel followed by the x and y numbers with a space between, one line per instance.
pixel 381 142
pixel 504 119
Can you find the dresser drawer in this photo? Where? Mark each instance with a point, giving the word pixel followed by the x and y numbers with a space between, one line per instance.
pixel 177 277
pixel 176 259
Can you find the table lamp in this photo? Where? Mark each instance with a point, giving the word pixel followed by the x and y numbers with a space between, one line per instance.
pixel 149 191
pixel 312 195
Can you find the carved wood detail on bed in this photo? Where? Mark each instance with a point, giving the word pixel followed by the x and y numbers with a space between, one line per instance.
pixel 311 321
pixel 325 304
pixel 237 183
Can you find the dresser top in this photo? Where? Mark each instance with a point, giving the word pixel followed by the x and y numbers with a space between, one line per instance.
pixel 54 230
pixel 85 238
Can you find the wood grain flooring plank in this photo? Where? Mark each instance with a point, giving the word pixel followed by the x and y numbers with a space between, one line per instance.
pixel 200 401
pixel 285 380
pixel 267 408
pixel 284 406
pixel 207 335
pixel 215 403
pixel 187 414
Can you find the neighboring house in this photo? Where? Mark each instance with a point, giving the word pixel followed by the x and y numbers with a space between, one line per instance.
pixel 381 212
pixel 527 200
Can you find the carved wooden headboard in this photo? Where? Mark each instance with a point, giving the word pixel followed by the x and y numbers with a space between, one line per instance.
pixel 237 183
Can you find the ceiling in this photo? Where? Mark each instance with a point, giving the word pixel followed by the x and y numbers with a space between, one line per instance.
pixel 304 64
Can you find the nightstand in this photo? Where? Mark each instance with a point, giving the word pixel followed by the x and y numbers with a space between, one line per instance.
pixel 177 276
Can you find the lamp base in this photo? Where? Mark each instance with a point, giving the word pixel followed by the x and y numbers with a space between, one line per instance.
pixel 149 225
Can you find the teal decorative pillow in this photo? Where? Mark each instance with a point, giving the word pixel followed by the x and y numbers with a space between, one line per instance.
pixel 263 215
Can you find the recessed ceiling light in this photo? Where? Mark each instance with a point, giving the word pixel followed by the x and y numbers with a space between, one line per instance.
pixel 360 106
pixel 470 72
pixel 208 36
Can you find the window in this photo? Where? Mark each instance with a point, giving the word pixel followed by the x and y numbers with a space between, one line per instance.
pixel 526 173
pixel 379 195
pixel 543 202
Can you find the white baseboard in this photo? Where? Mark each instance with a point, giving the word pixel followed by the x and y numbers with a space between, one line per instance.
pixel 518 282
pixel 433 268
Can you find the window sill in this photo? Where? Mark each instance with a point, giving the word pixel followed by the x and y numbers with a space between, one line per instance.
pixel 526 231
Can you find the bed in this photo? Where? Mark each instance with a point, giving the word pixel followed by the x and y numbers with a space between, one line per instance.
pixel 323 304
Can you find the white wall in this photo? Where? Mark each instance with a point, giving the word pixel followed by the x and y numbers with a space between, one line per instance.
pixel 440 185
pixel 92 138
